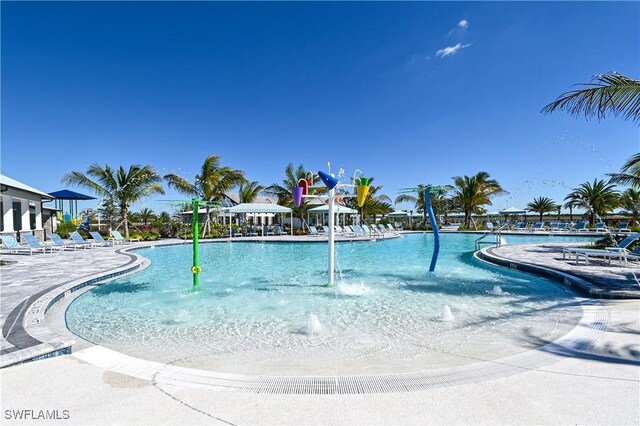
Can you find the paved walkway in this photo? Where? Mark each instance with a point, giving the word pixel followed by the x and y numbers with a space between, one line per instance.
pixel 598 279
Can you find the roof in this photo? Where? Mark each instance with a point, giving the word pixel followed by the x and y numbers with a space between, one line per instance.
pixel 513 210
pixel 235 198
pixel 6 180
pixel 258 208
pixel 336 209
pixel 398 213
pixel 65 194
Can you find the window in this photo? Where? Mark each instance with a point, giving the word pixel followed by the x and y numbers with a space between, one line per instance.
pixel 17 216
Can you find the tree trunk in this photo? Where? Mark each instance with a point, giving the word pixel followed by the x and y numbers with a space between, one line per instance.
pixel 123 214
pixel 541 216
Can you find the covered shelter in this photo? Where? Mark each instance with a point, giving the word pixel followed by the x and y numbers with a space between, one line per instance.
pixel 337 209
pixel 514 211
pixel 257 208
pixel 72 197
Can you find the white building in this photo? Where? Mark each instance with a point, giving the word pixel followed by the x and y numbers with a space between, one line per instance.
pixel 21 207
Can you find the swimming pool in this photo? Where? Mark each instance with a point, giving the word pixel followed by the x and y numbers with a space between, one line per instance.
pixel 263 308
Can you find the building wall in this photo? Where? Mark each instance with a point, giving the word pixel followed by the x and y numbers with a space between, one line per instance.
pixel 20 211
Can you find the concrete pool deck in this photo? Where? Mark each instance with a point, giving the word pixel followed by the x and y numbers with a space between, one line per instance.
pixel 600 384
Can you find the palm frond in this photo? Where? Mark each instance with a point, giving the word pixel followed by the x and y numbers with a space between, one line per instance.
pixel 611 93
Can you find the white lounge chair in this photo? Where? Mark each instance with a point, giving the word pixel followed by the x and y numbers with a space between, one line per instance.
pixel 117 238
pixel 10 243
pixel 33 242
pixel 59 244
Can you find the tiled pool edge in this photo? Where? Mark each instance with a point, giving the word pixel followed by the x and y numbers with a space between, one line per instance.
pixel 34 323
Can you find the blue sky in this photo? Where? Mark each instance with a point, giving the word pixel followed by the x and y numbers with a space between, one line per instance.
pixel 407 92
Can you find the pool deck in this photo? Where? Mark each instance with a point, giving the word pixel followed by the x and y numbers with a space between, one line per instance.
pixel 598 385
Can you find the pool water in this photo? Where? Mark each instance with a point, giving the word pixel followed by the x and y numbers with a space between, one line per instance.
pixel 263 308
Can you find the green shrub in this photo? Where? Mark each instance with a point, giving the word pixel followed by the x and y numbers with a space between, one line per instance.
pixel 64 228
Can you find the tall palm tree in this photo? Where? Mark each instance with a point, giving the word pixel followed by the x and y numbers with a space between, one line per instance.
pixel 598 198
pixel 629 173
pixel 418 201
pixel 571 202
pixel 249 191
pixel 542 205
pixel 475 191
pixel 630 202
pixel 283 191
pixel 210 184
pixel 123 187
pixel 146 215
pixel 611 93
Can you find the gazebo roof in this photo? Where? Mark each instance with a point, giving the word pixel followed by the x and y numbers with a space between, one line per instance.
pixel 258 208
pixel 65 194
pixel 336 209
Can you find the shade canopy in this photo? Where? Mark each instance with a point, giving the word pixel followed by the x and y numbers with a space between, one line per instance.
pixel 494 213
pixel 339 209
pixel 513 210
pixel 258 208
pixel 65 194
pixel 398 213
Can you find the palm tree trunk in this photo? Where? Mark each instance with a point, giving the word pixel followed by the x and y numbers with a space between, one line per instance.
pixel 123 214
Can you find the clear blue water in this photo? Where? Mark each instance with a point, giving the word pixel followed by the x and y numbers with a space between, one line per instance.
pixel 263 307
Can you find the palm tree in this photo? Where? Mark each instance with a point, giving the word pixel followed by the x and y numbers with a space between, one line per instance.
pixel 475 191
pixel 629 173
pixel 210 185
pixel 572 201
pixel 124 187
pixel 630 202
pixel 417 200
pixel 606 93
pixel 598 198
pixel 283 191
pixel 249 191
pixel 146 215
pixel 542 205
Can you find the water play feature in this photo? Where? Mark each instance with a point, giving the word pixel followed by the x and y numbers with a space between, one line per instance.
pixel 332 184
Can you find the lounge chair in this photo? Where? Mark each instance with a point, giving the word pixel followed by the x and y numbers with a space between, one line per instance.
pixel 562 226
pixel 325 228
pixel 625 243
pixel 586 253
pixel 235 233
pixel 521 226
pixel 81 242
pixel 391 228
pixel 382 228
pixel 538 226
pixel 580 226
pixel 117 238
pixel 60 244
pixel 266 230
pixel 33 242
pixel 249 232
pixel 313 231
pixel 601 226
pixel 98 239
pixel 358 231
pixel 489 226
pixel 278 230
pixel 621 251
pixel 11 244
pixel 624 226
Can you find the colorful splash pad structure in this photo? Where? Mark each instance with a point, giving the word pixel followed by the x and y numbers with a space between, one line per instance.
pixel 428 190
pixel 332 184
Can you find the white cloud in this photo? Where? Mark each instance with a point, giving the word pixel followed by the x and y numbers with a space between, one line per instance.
pixel 451 50
pixel 463 24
